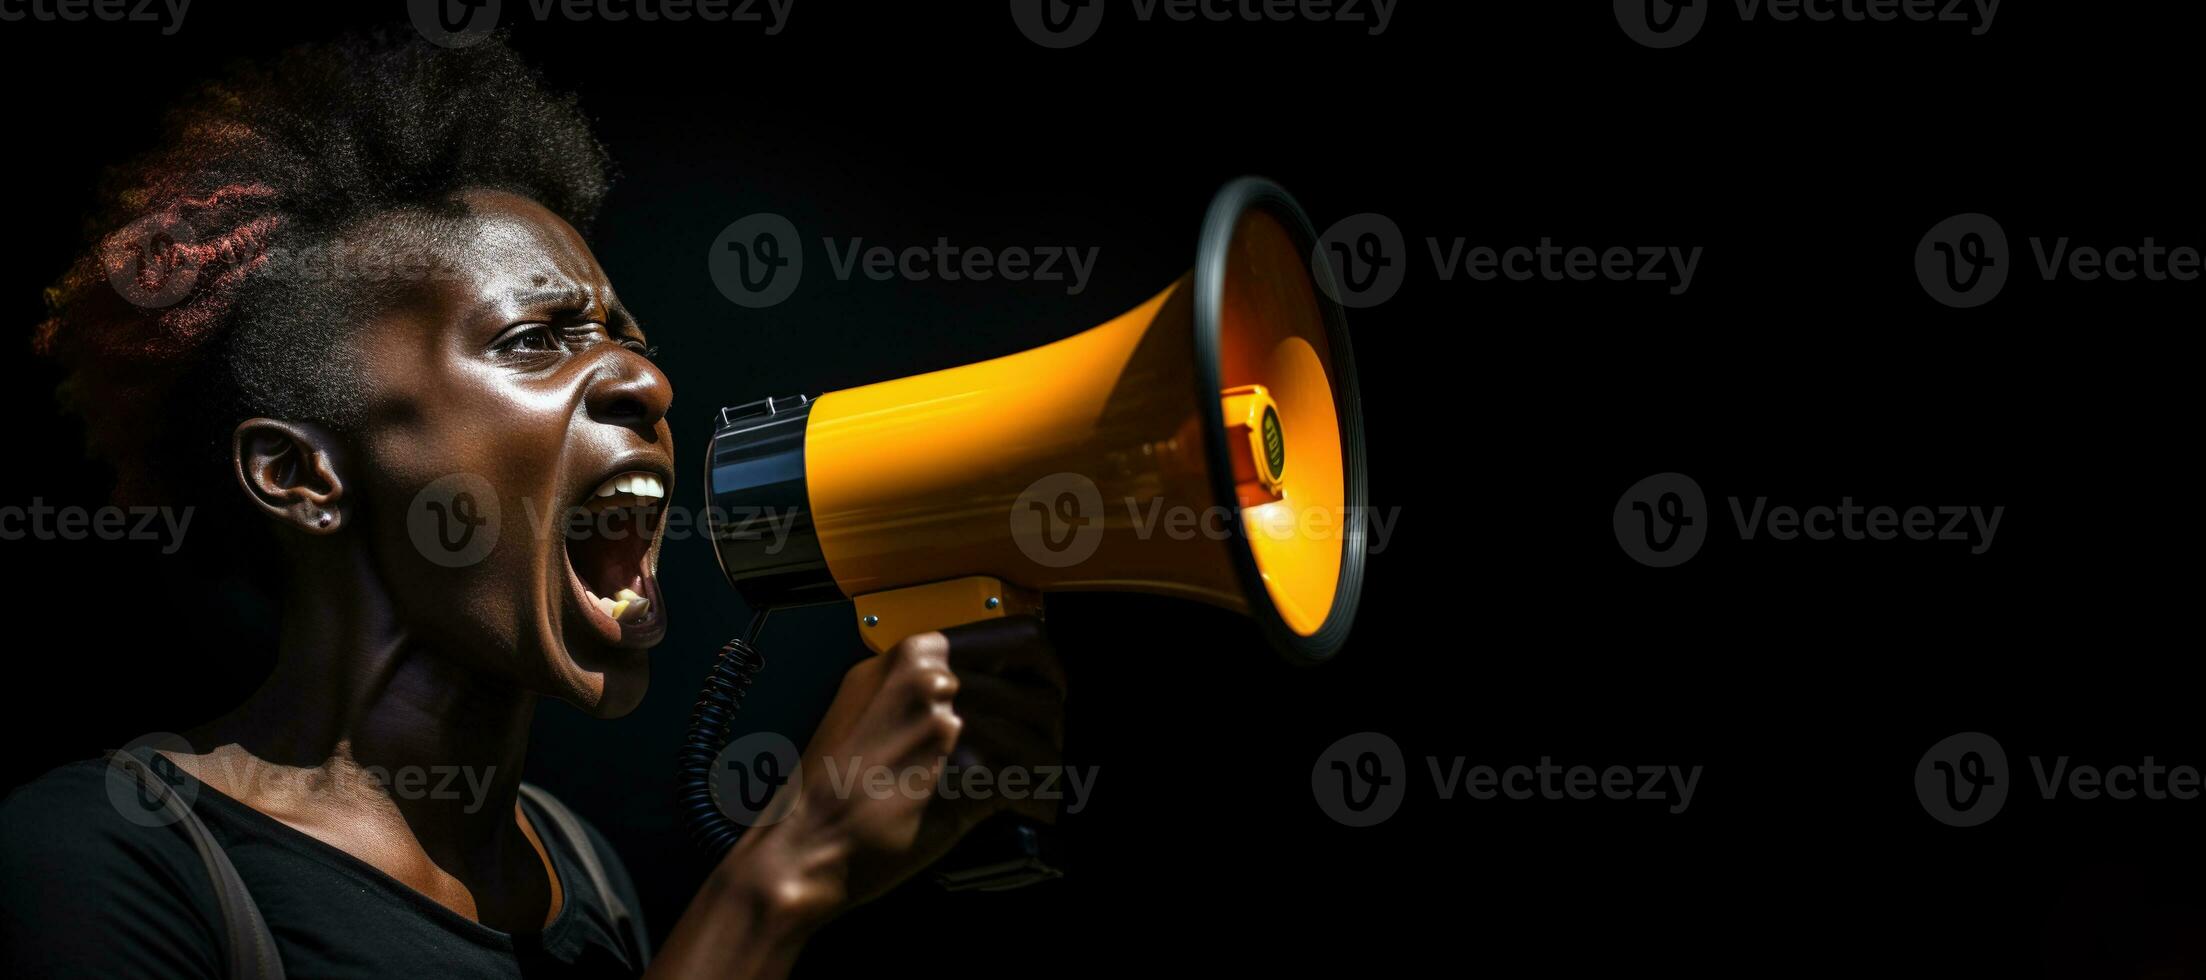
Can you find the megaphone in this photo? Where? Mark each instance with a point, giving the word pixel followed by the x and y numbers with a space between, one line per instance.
pixel 1207 445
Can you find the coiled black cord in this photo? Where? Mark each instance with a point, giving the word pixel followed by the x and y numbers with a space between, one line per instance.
pixel 731 675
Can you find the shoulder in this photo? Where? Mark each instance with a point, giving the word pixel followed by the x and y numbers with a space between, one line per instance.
pixel 599 848
pixel 616 899
pixel 85 811
pixel 93 879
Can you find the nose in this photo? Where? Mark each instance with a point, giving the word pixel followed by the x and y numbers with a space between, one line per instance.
pixel 631 393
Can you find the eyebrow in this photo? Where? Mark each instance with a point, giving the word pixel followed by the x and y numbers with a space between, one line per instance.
pixel 574 297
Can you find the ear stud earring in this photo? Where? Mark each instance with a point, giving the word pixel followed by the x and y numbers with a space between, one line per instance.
pixel 324 519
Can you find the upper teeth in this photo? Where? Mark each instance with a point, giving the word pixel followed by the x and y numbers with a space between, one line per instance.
pixel 640 484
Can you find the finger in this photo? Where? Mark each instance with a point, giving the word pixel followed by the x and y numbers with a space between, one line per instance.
pixel 1004 746
pixel 931 648
pixel 1037 710
pixel 974 802
pixel 917 672
pixel 1015 646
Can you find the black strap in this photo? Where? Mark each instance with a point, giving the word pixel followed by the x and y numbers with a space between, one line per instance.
pixel 570 830
pixel 250 952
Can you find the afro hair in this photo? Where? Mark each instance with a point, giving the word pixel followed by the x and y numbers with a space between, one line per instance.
pixel 181 316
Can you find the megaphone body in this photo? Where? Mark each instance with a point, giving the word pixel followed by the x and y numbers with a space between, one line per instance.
pixel 1206 445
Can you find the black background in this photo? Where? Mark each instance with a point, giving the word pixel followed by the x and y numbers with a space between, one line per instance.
pixel 1502 622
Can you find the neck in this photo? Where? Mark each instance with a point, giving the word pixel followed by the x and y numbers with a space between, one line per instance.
pixel 364 728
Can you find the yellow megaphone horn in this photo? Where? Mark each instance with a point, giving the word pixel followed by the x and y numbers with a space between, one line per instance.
pixel 1206 444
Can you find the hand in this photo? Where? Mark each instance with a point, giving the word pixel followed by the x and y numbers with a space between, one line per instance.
pixel 987 695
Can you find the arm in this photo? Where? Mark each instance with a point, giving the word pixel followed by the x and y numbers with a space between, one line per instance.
pixel 746 921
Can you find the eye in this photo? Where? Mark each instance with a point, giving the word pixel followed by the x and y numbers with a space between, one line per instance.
pixel 535 338
pixel 650 352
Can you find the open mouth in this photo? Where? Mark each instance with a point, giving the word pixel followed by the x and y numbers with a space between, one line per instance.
pixel 609 540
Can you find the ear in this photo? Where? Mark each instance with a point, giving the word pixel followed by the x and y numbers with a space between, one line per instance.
pixel 289 471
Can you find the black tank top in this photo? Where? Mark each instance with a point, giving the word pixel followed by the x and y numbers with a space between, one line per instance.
pixel 89 892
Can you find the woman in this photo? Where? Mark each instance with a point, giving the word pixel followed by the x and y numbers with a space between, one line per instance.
pixel 342 282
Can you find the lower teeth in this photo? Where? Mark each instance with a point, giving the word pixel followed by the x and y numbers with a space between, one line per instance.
pixel 625 606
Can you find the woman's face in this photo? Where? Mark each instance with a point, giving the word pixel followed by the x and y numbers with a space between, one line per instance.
pixel 516 455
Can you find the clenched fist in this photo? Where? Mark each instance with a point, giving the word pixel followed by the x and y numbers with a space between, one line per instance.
pixel 870 814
